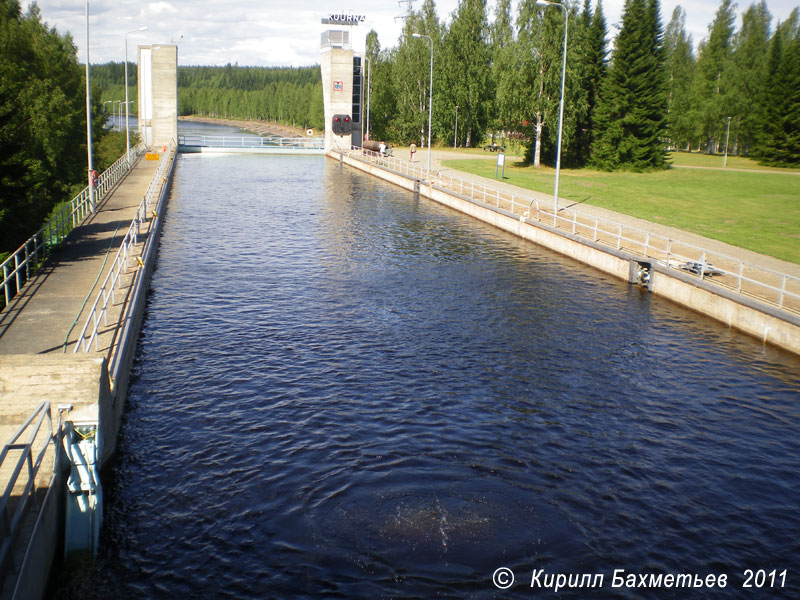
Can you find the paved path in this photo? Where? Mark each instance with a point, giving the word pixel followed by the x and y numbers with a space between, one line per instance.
pixel 741 254
pixel 37 320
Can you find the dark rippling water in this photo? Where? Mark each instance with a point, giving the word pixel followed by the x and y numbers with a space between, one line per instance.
pixel 342 392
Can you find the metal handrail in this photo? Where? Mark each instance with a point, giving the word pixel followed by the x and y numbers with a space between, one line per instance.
pixel 223 141
pixel 32 457
pixel 20 266
pixel 772 287
pixel 99 311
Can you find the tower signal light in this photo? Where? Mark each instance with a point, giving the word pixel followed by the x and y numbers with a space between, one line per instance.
pixel 341 124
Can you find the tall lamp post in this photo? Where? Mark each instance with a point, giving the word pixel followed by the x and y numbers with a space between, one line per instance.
pixel 127 129
pixel 369 72
pixel 430 99
pixel 89 117
pixel 455 134
pixel 727 135
pixel 545 4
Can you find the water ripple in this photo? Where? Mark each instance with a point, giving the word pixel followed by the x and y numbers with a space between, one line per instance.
pixel 342 392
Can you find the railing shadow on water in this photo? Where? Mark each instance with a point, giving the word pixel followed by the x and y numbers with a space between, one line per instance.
pixel 29 258
pixel 773 288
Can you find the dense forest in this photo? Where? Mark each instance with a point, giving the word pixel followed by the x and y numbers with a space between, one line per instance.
pixel 627 100
pixel 286 95
pixel 623 109
pixel 43 158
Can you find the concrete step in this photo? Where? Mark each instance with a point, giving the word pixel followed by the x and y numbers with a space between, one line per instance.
pixel 28 380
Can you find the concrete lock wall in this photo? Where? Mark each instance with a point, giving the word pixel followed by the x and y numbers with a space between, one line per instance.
pixel 158 94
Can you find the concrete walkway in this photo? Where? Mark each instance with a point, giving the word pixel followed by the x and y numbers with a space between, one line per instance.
pixel 38 319
pixel 37 364
pixel 740 254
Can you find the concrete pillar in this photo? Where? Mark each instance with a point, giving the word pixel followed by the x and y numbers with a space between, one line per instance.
pixel 336 64
pixel 158 94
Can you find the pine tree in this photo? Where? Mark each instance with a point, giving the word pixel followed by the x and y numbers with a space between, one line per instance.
pixel 780 144
pixel 747 76
pixel 594 65
pixel 631 112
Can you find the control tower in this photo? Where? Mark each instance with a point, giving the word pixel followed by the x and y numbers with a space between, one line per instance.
pixel 342 90
pixel 158 94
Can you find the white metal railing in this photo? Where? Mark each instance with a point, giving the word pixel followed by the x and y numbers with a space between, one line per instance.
pixel 145 213
pixel 222 141
pixel 22 264
pixel 30 456
pixel 772 287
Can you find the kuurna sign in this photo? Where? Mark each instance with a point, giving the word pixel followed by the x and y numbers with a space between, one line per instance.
pixel 343 19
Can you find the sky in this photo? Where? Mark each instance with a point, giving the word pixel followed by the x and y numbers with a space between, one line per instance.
pixel 281 32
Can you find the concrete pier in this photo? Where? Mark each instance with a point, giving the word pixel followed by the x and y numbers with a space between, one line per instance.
pixel 38 332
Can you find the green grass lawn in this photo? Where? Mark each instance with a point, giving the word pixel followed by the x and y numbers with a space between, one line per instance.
pixel 758 211
pixel 697 159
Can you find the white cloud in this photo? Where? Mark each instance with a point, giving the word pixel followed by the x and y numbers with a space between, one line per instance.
pixel 155 9
pixel 277 32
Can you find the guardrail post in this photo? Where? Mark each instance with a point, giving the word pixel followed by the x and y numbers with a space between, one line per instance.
pixel 619 237
pixel 574 219
pixel 17 273
pixel 703 265
pixel 741 275
pixel 32 479
pixel 647 244
pixel 596 223
pixel 669 248
pixel 105 304
pixel 5 285
pixel 783 291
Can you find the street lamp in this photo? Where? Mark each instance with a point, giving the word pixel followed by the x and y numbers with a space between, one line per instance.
pixel 727 135
pixel 369 72
pixel 89 117
pixel 430 99
pixel 545 4
pixel 127 129
pixel 455 134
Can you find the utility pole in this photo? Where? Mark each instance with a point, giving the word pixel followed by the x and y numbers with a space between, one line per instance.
pixel 727 135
